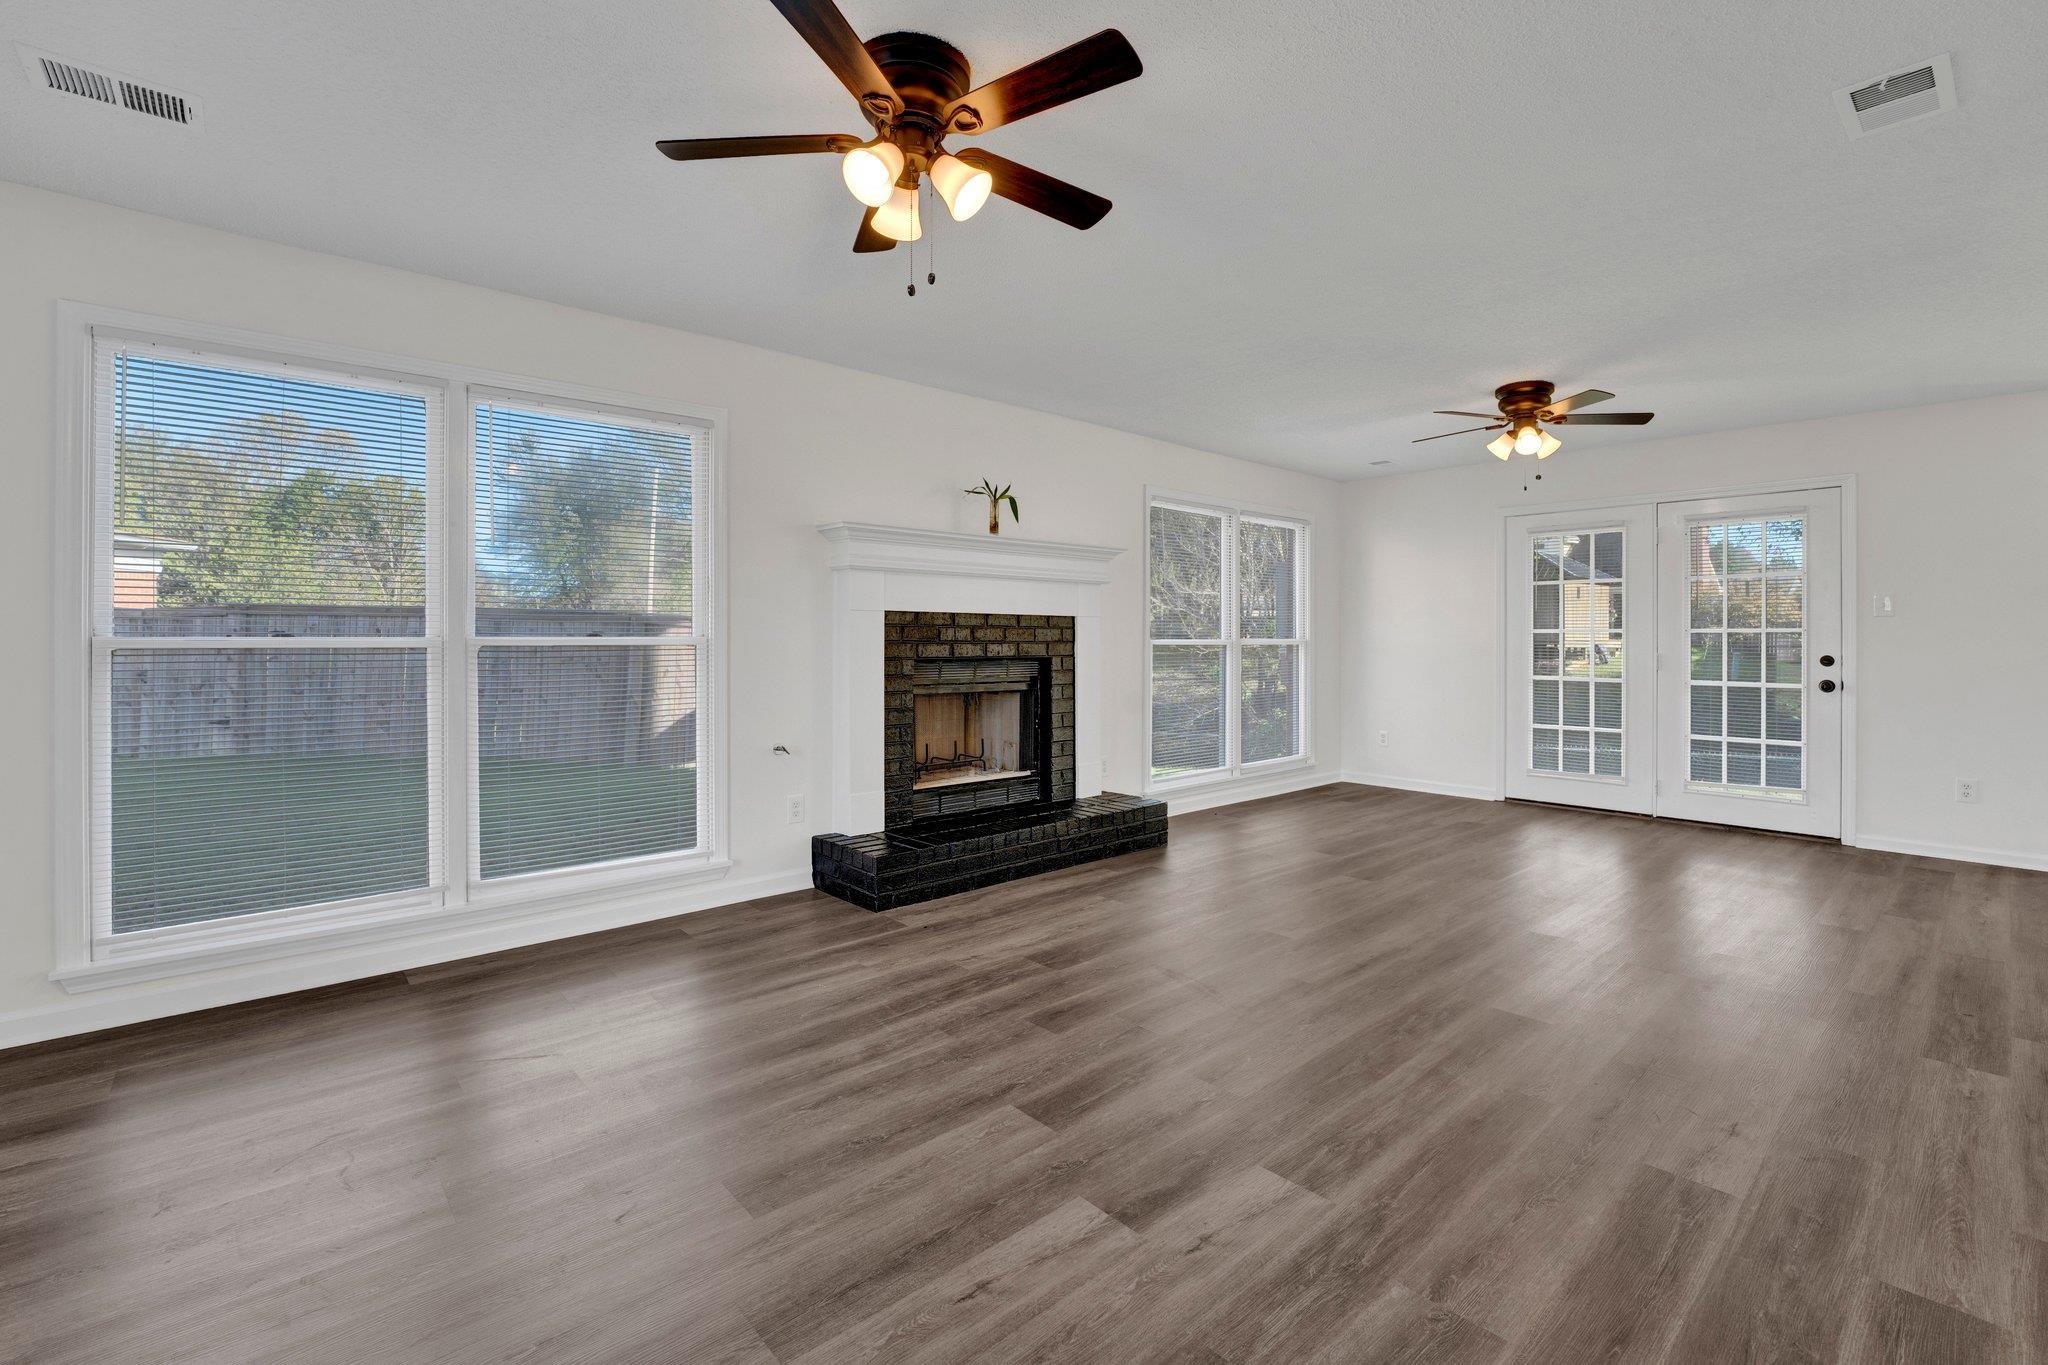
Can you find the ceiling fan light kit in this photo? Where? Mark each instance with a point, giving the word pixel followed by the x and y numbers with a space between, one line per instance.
pixel 915 90
pixel 1526 406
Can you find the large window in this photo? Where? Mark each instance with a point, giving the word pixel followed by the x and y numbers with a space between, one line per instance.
pixel 333 646
pixel 1227 605
pixel 587 657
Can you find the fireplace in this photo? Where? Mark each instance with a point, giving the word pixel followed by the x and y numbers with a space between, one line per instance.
pixel 978 713
pixel 967 718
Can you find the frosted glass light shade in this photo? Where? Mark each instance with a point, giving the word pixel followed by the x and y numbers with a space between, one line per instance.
pixel 963 188
pixel 1549 446
pixel 870 171
pixel 897 218
pixel 1502 445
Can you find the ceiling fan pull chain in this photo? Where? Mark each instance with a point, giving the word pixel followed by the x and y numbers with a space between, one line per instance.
pixel 912 254
pixel 931 247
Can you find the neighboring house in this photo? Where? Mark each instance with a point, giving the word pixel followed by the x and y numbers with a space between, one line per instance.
pixel 138 564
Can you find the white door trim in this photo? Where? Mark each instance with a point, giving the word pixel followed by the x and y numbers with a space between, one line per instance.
pixel 1852 609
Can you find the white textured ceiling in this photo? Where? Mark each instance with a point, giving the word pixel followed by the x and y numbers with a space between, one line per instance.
pixel 1330 217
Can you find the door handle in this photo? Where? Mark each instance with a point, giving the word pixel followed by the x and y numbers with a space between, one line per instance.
pixel 1827 684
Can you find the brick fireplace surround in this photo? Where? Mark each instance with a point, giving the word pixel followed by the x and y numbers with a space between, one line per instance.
pixel 904 597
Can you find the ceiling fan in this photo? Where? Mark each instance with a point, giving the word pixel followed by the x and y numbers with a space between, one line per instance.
pixel 914 92
pixel 1526 406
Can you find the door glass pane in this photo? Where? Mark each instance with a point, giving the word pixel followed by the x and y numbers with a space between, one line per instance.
pixel 1577 616
pixel 1578 703
pixel 1748 593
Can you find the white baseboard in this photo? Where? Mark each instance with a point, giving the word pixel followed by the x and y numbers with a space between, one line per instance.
pixel 1208 796
pixel 305 971
pixel 1996 857
pixel 1416 784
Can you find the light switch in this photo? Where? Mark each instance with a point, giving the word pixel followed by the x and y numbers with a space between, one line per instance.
pixel 1881 604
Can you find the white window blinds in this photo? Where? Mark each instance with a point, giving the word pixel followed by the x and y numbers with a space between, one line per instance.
pixel 1229 643
pixel 590 676
pixel 264 677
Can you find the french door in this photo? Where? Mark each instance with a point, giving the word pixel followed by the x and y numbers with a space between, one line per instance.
pixel 1679 659
pixel 1580 700
pixel 1749 606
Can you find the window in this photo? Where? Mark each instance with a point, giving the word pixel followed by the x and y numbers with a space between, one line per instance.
pixel 1576 661
pixel 264 662
pixel 588 685
pixel 290 613
pixel 1227 605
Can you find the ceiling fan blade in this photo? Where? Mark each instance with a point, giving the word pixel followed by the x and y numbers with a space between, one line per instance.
pixel 1466 432
pixel 1584 398
pixel 1036 190
pixel 1453 412
pixel 713 148
pixel 833 39
pixel 867 239
pixel 1088 66
pixel 1605 419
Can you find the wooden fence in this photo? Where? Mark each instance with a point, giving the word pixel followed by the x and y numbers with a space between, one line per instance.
pixel 564 703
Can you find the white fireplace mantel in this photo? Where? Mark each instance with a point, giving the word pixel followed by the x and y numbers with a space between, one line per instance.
pixel 878 569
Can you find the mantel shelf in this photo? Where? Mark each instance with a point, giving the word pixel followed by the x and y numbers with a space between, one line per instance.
pixel 908 549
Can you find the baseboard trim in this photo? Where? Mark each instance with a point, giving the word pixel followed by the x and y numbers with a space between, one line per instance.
pixel 1416 784
pixel 1209 796
pixel 308 970
pixel 1955 853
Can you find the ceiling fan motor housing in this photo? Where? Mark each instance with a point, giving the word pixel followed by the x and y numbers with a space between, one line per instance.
pixel 1524 398
pixel 929 74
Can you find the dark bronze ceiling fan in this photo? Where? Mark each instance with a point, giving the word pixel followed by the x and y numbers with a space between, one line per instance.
pixel 1526 407
pixel 914 90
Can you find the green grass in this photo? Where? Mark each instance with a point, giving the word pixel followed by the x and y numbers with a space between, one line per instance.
pixel 210 838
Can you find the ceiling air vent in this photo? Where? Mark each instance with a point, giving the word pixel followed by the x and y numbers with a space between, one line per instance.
pixel 1915 93
pixel 63 77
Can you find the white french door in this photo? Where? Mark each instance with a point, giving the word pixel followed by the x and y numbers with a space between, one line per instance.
pixel 1749 605
pixel 1680 659
pixel 1578 681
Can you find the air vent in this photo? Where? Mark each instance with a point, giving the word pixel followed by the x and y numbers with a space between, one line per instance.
pixel 61 76
pixel 1917 92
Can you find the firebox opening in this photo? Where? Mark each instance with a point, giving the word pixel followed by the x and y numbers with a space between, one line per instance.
pixel 971 736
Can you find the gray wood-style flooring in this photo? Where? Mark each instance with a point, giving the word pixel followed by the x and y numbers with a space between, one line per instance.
pixel 1352 1075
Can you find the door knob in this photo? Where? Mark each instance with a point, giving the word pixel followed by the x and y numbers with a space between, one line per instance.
pixel 1827 684
pixel 1827 661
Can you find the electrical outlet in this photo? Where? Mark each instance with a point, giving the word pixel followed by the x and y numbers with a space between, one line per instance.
pixel 793 810
pixel 1968 790
pixel 1383 739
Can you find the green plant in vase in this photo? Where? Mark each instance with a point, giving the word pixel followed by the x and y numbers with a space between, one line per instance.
pixel 996 498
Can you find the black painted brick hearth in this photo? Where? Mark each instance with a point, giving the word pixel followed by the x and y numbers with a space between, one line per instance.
pixel 888 870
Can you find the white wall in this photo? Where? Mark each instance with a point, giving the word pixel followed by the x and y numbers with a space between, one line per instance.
pixel 1952 502
pixel 808 443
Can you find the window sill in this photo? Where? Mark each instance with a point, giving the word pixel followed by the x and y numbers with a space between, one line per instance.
pixel 414 920
pixel 1245 774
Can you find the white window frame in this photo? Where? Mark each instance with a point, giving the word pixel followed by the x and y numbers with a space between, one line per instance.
pixel 1233 642
pixel 86 958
